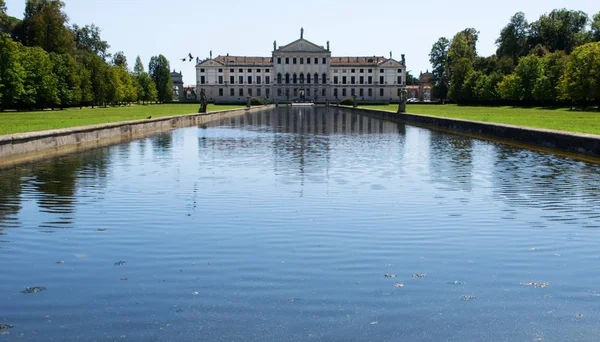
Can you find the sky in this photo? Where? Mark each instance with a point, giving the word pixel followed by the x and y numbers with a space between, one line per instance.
pixel 248 28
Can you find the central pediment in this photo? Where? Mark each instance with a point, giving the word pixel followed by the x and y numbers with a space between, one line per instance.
pixel 301 45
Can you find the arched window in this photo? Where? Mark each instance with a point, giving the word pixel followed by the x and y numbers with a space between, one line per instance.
pixel 324 79
pixel 301 78
pixel 316 78
pixel 295 78
pixel 279 78
pixel 308 77
pixel 287 78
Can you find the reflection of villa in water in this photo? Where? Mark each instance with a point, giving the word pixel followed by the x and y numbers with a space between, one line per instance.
pixel 300 70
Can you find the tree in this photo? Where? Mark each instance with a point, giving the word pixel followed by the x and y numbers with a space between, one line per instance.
pixel 596 27
pixel 513 38
pixel 40 81
pixel 159 71
pixel 438 57
pixel 461 54
pixel 3 17
pixel 85 84
pixel 138 68
pixel 582 75
pixel 120 60
pixel 69 85
pixel 509 88
pixel 562 29
pixel 12 74
pixel 147 89
pixel 95 72
pixel 528 71
pixel 410 79
pixel 88 38
pixel 546 89
pixel 44 25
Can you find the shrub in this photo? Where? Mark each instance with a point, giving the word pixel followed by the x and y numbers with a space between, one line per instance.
pixel 347 102
pixel 255 101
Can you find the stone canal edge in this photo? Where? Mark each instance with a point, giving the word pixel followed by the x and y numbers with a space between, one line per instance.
pixel 31 146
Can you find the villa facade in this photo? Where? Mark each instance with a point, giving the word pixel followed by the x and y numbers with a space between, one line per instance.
pixel 300 71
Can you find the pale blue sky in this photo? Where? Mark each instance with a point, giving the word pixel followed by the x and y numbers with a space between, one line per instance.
pixel 354 28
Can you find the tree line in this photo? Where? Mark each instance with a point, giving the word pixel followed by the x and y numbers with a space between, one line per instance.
pixel 46 63
pixel 554 61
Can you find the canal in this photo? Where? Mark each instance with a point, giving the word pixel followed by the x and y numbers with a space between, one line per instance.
pixel 301 224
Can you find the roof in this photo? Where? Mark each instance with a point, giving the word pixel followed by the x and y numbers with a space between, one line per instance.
pixel 358 60
pixel 243 60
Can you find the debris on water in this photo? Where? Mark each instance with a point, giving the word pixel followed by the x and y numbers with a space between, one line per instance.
pixel 533 249
pixel 419 275
pixel 196 292
pixel 100 229
pixel 33 289
pixel 468 298
pixel 540 285
pixel 456 282
pixel 124 278
pixel 389 275
pixel 374 322
pixel 4 333
pixel 399 285
pixel 388 265
pixel 60 262
pixel 5 326
pixel 557 254
pixel 120 263
pixel 579 315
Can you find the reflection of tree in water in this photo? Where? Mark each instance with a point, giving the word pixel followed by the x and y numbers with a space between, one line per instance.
pixel 566 188
pixel 162 143
pixel 10 203
pixel 451 160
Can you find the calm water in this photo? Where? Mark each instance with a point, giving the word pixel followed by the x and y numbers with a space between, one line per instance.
pixel 282 225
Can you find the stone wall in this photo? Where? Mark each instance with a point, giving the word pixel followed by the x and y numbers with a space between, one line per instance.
pixel 22 147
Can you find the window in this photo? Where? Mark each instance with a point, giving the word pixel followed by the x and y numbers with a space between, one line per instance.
pixel 250 92
pixel 278 60
pixel 400 70
pixel 220 70
pixel 279 78
pixel 294 60
pixel 381 92
pixel 257 70
pixel 258 92
pixel 295 92
pixel 335 80
pixel 324 60
pixel 380 79
pixel 249 79
pixel 370 80
pixel 241 70
pixel 295 78
pixel 353 80
pixel 268 92
pixel 287 60
pixel 241 92
pixel 258 79
pixel 361 92
pixel 335 71
pixel 232 79
pixel 220 91
pixel 316 60
pixel 362 71
pixel 353 70
pixel 231 92
pixel 301 78
pixel 220 79
pixel 241 80
pixel 361 80
pixel 352 92
pixel 287 78
pixel 370 71
pixel 249 70
pixel 279 92
pixel 381 71
pixel 343 92
pixel 267 79
pixel 267 70
pixel 316 78
pixel 335 92
pixel 344 70
pixel 399 79
pixel 324 79
pixel 370 92
pixel 307 60
pixel 308 78
pixel 201 70
pixel 202 79
pixel 301 60
pixel 344 80
pixel 308 92
pixel 323 91
pixel 231 70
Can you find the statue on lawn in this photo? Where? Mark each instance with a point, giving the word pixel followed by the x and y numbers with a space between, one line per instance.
pixel 203 103
pixel 403 94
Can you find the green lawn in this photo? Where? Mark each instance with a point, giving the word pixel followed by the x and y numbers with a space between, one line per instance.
pixel 558 119
pixel 18 122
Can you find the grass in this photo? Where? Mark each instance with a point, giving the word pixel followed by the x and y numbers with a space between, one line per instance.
pixel 561 119
pixel 19 122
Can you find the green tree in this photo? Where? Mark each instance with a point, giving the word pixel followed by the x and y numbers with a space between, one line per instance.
pixel 562 29
pixel 509 88
pixel 546 89
pixel 40 81
pixel 581 80
pixel 438 57
pixel 513 38
pixel 528 71
pixel 12 74
pixel 596 27
pixel 461 55
pixel 44 25
pixel 85 84
pixel 159 71
pixel 138 68
pixel 88 38
pixel 69 84
pixel 115 92
pixel 97 69
pixel 120 60
pixel 147 89
pixel 3 17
